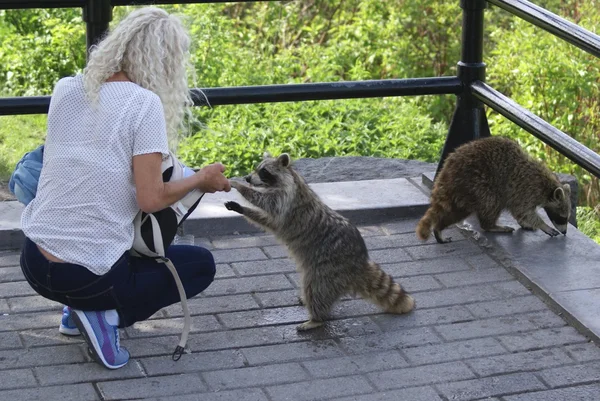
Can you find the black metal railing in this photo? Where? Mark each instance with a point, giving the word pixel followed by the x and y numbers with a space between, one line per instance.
pixel 468 122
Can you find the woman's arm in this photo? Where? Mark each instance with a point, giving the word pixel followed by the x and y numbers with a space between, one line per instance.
pixel 153 194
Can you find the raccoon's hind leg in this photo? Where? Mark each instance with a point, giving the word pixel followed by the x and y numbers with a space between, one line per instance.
pixel 380 287
pixel 452 217
pixel 488 218
pixel 318 300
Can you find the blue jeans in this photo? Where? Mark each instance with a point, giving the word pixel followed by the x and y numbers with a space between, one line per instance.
pixel 136 287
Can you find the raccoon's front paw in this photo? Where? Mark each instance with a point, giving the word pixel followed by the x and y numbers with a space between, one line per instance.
pixel 236 184
pixel 234 206
pixel 550 231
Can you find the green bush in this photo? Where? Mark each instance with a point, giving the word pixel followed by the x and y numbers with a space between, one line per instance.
pixel 259 43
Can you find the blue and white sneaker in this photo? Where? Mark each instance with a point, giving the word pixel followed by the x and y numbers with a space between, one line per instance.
pixel 101 332
pixel 67 325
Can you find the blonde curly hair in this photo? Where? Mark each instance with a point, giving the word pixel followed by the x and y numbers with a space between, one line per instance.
pixel 153 48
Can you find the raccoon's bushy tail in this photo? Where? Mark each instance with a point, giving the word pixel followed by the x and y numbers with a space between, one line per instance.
pixel 381 288
pixel 431 216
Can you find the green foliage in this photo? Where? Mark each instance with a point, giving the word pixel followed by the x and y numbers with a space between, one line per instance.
pixel 259 43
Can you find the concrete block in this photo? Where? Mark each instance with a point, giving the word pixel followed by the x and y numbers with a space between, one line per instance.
pixel 255 376
pixel 355 364
pixel 420 375
pixel 454 351
pixel 490 386
pixel 151 387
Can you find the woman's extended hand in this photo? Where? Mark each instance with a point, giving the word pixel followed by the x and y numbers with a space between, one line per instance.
pixel 212 179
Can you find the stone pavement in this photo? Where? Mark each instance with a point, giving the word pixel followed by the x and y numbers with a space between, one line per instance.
pixel 476 333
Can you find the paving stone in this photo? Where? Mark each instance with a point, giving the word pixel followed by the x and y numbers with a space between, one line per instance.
pixel 319 389
pixel 569 375
pixel 481 262
pixel 522 361
pixel 401 226
pixel 420 375
pixel 17 378
pixel 542 339
pixel 390 340
pixel 276 251
pixel 30 357
pixel 11 274
pixel 292 352
pixel 490 386
pixel 151 328
pixel 392 241
pixel 76 392
pixel 151 386
pixel 278 298
pixel 426 267
pixel 578 393
pixel 196 361
pixel 512 288
pixel 435 250
pixel 10 340
pixel 229 286
pixel 15 289
pixel 459 279
pixel 8 259
pixel 224 271
pixel 391 255
pixel 418 283
pixel 265 267
pixel 528 303
pixel 466 295
pixel 34 303
pixel 204 243
pixel 412 394
pixel 422 317
pixel 243 242
pixel 4 306
pixel 295 279
pixel 499 325
pixel 584 352
pixel 46 337
pixel 255 376
pixel 24 321
pixel 88 372
pixel 280 334
pixel 454 351
pixel 155 346
pixel 355 307
pixel 264 317
pixel 355 364
pixel 210 305
pixel 247 394
pixel 238 255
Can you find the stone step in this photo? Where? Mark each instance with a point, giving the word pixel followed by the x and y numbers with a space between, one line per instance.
pixel 366 201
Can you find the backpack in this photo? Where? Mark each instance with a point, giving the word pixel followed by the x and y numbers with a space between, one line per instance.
pixel 153 232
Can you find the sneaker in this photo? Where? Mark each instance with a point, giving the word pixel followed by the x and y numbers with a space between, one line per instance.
pixel 101 332
pixel 67 325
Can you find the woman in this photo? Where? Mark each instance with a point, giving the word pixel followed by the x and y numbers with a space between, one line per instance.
pixel 108 131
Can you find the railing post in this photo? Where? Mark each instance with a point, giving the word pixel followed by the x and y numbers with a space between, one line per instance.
pixel 469 120
pixel 97 15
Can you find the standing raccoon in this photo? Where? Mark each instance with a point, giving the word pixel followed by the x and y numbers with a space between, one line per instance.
pixel 486 176
pixel 329 251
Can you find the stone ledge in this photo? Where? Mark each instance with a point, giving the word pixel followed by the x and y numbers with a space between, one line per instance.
pixel 361 201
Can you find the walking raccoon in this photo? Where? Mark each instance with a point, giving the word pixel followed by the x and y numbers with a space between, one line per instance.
pixel 329 251
pixel 488 175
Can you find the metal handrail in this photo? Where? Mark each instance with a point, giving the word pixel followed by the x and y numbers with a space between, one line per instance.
pixel 558 26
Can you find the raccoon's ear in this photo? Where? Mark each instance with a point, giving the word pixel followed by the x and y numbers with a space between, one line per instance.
pixel 284 159
pixel 266 155
pixel 559 194
pixel 567 189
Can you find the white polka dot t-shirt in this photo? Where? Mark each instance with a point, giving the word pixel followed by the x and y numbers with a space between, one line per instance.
pixel 85 203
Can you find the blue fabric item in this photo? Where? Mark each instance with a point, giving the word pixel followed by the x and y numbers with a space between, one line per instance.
pixel 23 182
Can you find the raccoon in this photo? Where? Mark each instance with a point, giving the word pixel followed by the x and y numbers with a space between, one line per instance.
pixel 488 175
pixel 329 251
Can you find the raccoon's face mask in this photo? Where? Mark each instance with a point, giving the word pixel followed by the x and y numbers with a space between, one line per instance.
pixel 272 172
pixel 559 208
